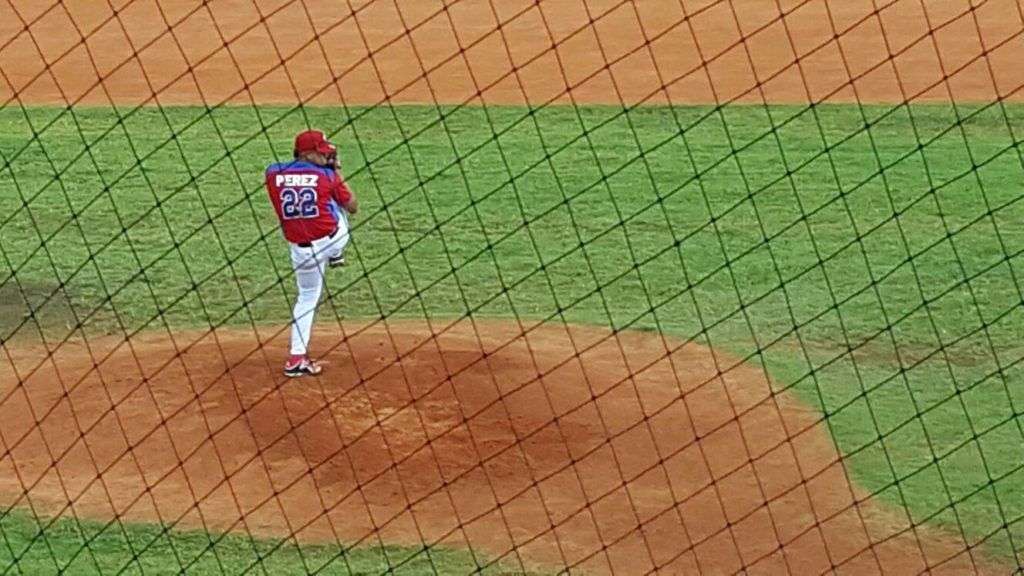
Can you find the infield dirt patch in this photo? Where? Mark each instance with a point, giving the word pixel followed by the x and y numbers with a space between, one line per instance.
pixel 593 51
pixel 563 446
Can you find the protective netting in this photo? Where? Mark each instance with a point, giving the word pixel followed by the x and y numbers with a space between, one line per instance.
pixel 716 287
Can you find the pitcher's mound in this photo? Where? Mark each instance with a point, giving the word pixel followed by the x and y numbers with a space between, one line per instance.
pixel 563 447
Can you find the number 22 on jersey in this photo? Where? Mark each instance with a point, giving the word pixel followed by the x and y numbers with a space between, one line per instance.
pixel 298 199
pixel 299 203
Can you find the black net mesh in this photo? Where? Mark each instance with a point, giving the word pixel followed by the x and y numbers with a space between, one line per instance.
pixel 677 286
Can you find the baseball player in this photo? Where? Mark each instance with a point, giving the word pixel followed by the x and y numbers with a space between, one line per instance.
pixel 312 202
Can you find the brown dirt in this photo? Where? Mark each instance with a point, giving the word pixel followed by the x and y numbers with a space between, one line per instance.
pixel 372 51
pixel 563 447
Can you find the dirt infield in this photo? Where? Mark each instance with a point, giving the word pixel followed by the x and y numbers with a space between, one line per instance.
pixel 619 457
pixel 593 51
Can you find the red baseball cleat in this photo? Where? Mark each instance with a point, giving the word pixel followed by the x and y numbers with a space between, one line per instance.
pixel 301 367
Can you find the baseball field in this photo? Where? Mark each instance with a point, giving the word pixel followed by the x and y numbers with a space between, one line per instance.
pixel 687 287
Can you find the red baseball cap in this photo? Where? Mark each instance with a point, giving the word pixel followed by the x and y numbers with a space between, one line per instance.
pixel 313 141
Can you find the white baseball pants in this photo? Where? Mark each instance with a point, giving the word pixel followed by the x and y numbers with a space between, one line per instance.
pixel 309 265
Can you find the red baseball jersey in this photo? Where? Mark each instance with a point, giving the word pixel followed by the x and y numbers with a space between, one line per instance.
pixel 307 198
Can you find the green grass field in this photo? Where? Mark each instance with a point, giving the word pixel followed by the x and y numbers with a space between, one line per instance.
pixel 86 547
pixel 870 258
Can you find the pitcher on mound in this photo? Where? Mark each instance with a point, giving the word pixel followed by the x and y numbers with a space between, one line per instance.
pixel 312 203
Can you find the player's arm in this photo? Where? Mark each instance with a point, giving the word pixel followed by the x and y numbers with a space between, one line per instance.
pixel 342 193
pixel 345 197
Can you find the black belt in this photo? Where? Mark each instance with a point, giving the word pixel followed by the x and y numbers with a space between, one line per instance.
pixel 310 244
